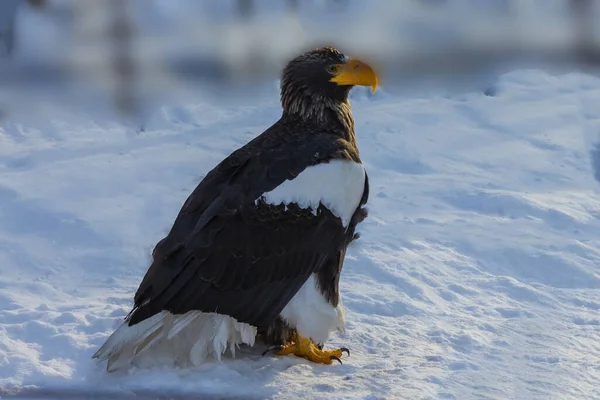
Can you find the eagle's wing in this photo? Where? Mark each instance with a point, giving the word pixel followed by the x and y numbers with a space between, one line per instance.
pixel 228 254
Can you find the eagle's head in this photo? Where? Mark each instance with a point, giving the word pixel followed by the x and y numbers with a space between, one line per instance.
pixel 322 78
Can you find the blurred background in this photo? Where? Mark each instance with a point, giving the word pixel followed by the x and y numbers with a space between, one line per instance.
pixel 134 54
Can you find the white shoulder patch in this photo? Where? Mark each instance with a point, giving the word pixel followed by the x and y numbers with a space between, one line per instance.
pixel 337 185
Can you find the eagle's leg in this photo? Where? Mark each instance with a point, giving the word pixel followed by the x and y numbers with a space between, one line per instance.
pixel 304 347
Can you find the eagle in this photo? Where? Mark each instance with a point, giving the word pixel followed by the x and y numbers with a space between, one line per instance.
pixel 257 249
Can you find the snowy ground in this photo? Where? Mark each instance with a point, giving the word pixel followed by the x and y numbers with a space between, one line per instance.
pixel 476 275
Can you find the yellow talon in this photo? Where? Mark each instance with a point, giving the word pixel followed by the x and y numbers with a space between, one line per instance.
pixel 303 347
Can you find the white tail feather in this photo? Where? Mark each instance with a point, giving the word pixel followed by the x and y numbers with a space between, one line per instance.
pixel 149 341
pixel 184 340
pixel 181 323
pixel 125 335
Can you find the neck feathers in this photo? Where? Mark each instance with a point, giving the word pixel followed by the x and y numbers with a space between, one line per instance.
pixel 328 113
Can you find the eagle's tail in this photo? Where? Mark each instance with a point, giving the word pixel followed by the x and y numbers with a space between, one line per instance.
pixel 126 341
pixel 184 339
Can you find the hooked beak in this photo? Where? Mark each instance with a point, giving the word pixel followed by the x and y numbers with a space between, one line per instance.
pixel 355 73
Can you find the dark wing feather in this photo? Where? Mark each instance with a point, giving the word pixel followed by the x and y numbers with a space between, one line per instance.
pixel 229 255
pixel 279 332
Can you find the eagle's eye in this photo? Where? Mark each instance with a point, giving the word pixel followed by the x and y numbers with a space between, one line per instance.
pixel 332 69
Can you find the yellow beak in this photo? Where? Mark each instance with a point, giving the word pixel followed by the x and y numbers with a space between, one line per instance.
pixel 356 73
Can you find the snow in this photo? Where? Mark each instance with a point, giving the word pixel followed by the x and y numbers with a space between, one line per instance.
pixel 476 274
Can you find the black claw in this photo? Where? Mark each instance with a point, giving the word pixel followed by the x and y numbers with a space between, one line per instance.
pixel 335 358
pixel 272 348
pixel 346 350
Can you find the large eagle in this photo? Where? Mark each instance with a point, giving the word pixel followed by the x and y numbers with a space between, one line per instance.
pixel 258 247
